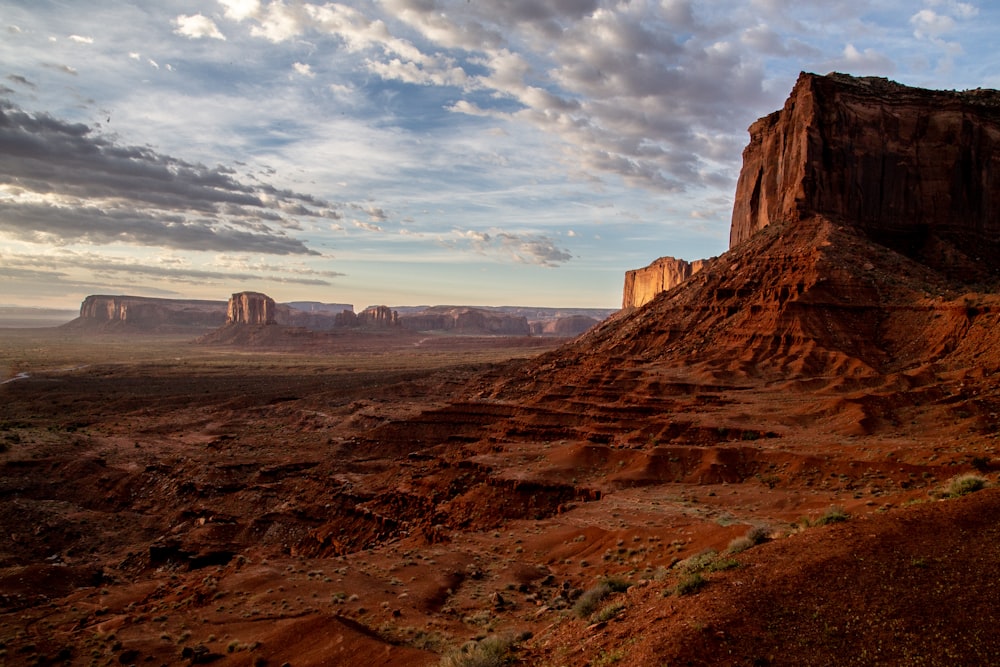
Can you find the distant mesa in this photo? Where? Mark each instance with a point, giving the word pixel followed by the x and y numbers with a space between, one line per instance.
pixel 139 313
pixel 570 326
pixel 466 320
pixel 147 314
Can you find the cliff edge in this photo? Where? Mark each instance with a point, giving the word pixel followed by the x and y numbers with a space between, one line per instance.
pixel 917 170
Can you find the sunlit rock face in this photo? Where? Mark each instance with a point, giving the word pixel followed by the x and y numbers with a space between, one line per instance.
pixel 251 308
pixel 642 285
pixel 913 168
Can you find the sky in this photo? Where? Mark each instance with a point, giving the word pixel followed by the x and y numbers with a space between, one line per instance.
pixel 406 152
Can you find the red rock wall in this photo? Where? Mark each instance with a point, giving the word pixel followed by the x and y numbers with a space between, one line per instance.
pixel 151 312
pixel 899 162
pixel 642 285
pixel 251 308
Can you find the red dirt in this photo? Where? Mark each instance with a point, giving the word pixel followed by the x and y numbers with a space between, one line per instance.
pixel 382 502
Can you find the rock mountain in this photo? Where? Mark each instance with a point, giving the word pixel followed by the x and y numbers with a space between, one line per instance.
pixel 916 170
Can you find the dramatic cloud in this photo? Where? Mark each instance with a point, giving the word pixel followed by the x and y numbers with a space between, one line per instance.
pixel 104 267
pixel 65 183
pixel 522 248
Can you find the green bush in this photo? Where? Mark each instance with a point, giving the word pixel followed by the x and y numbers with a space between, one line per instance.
pixel 493 651
pixel 754 536
pixel 964 484
pixel 833 515
pixel 689 584
pixel 608 612
pixel 587 604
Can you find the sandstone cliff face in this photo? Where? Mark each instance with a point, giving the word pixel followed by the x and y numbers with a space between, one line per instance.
pixel 251 308
pixel 904 164
pixel 642 285
pixel 138 312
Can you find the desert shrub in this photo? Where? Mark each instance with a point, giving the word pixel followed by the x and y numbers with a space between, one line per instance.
pixel 616 584
pixel 964 484
pixel 754 536
pixel 609 611
pixel 834 514
pixel 981 463
pixel 689 584
pixel 722 564
pixel 587 604
pixel 697 562
pixel 493 651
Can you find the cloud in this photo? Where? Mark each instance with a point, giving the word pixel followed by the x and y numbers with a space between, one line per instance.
pixel 368 226
pixel 537 249
pixel 928 23
pixel 197 26
pixel 303 69
pixel 111 268
pixel 20 80
pixel 65 183
pixel 79 39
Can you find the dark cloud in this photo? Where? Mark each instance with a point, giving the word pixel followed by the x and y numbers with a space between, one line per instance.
pixel 48 269
pixel 136 195
pixel 20 80
pixel 60 225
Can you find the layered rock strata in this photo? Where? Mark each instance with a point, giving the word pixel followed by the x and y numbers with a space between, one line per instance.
pixel 642 285
pixel 909 166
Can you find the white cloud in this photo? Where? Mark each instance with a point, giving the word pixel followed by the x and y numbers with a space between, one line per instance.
pixel 239 10
pixel 304 69
pixel 368 226
pixel 928 23
pixel 197 26
pixel 79 39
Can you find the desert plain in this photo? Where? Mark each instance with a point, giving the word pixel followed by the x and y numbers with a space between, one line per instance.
pixel 385 501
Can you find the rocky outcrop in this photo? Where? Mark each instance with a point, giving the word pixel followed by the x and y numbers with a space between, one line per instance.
pixel 251 308
pixel 378 316
pixel 642 285
pixel 913 168
pixel 470 321
pixel 147 313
